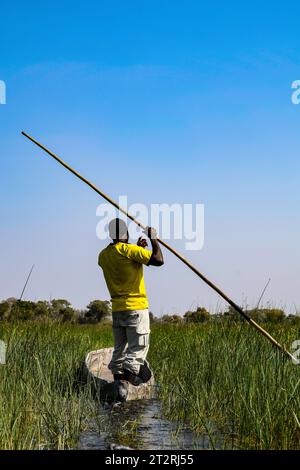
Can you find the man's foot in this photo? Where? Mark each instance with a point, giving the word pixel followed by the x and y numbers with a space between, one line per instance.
pixel 143 376
pixel 145 372
pixel 133 379
pixel 119 376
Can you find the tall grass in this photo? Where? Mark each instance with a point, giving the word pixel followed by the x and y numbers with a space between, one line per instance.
pixel 229 382
pixel 42 405
pixel 224 379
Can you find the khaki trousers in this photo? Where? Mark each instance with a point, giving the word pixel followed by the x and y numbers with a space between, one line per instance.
pixel 131 330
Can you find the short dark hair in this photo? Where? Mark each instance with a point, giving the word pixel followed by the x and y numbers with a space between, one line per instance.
pixel 117 229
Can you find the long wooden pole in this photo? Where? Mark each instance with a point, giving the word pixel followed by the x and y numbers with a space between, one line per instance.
pixel 26 282
pixel 168 247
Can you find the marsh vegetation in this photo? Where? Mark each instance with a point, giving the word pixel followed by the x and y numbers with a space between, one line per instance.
pixel 221 378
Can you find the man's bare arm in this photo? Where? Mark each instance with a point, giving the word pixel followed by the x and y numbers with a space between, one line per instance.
pixel 157 258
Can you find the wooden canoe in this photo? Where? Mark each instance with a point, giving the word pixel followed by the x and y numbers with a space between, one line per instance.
pixel 97 372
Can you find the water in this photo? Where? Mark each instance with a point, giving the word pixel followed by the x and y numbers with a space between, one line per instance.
pixel 140 424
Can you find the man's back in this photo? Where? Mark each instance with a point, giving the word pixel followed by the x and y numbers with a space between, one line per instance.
pixel 122 265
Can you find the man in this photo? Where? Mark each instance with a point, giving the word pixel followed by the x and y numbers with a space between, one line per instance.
pixel 122 265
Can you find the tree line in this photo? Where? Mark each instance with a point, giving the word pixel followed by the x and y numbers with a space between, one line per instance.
pixel 260 315
pixel 61 310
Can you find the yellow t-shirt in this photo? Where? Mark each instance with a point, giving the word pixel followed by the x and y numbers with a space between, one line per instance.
pixel 122 265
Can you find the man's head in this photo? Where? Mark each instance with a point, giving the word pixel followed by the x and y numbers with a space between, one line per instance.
pixel 118 230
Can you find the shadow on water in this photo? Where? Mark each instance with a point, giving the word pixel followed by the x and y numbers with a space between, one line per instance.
pixel 140 425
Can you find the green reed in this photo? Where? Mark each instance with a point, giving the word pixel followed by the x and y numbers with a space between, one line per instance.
pixel 222 378
pixel 227 381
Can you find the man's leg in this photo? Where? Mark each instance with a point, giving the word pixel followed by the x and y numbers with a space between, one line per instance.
pixel 138 333
pixel 120 344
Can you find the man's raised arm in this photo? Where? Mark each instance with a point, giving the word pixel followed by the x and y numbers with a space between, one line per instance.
pixel 157 258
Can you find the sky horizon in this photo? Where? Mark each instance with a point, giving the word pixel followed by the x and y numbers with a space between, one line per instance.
pixel 168 103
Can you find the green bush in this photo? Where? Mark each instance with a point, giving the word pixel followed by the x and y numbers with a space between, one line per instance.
pixel 201 315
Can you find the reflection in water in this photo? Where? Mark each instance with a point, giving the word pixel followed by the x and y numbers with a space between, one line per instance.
pixel 140 425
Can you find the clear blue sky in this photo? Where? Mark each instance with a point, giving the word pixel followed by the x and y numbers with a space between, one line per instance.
pixel 165 102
